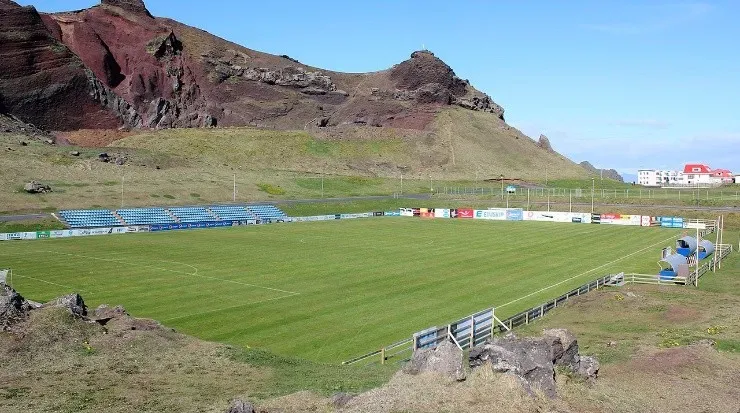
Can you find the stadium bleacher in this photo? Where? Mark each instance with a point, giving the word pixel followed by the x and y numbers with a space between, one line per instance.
pixel 146 216
pixel 232 212
pixel 267 212
pixel 192 214
pixel 99 218
pixel 89 218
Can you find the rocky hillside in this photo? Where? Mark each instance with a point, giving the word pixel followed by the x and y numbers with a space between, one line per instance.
pixel 116 65
pixel 607 173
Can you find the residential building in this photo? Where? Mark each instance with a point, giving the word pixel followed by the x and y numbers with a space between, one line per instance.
pixel 655 177
pixel 693 174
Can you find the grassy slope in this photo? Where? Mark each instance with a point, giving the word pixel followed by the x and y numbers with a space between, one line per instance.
pixel 187 166
pixel 378 281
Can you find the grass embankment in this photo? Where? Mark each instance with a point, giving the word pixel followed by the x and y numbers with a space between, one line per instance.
pixel 43 224
pixel 329 291
pixel 195 166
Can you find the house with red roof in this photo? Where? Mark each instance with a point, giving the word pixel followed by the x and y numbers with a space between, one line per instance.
pixel 702 174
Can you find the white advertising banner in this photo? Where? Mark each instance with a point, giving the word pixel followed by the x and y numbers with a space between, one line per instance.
pixel 441 213
pixel 4 237
pixel 407 212
pixel 555 216
pixel 498 214
pixel 646 221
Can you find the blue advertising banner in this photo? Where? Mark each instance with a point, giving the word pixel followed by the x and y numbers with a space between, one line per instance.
pixel 515 215
pixel 192 225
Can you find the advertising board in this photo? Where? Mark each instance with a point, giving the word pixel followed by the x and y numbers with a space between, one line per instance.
pixel 514 214
pixel 620 219
pixel 406 212
pixel 498 214
pixel 555 216
pixel 465 213
pixel 441 213
pixel 392 213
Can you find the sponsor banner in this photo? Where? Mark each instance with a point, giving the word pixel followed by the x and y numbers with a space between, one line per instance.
pixel 28 235
pixel 694 225
pixel 465 213
pixel 378 214
pixel 191 225
pixel 555 216
pixel 426 212
pixel 100 231
pixel 619 219
pixel 315 218
pixel 416 211
pixel 406 212
pixel 392 213
pixel 453 213
pixel 498 214
pixel 515 214
pixel 441 213
pixel 43 234
pixel 596 218
pixel 355 216
pixel 4 237
pixel 646 221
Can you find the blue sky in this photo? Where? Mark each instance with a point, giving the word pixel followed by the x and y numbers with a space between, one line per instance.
pixel 623 84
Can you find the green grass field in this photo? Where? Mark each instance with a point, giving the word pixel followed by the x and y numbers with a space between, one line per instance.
pixel 327 291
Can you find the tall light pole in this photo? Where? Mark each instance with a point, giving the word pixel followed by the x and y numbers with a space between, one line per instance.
pixel 401 182
pixel 593 188
pixel 234 197
pixel 431 186
pixel 502 187
pixel 322 185
pixel 123 178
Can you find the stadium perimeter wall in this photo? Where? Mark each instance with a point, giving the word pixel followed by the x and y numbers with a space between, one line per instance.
pixel 494 214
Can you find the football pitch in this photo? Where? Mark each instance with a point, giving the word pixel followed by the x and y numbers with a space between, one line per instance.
pixel 327 291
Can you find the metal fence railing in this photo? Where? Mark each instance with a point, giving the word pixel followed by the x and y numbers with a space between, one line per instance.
pixel 475 329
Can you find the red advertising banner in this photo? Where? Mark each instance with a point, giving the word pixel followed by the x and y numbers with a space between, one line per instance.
pixel 465 213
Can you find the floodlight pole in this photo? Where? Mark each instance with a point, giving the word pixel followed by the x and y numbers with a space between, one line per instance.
pixel 234 188
pixel 123 178
pixel 401 182
pixel 502 187
pixel 527 199
pixel 570 194
pixel 322 185
pixel 593 188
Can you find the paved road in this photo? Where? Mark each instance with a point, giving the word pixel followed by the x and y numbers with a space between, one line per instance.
pixel 23 217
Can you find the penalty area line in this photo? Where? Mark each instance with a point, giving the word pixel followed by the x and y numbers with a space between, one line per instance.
pixel 230 307
pixel 584 273
pixel 192 274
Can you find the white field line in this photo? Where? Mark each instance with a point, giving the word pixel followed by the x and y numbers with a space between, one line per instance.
pixel 193 274
pixel 49 282
pixel 229 307
pixel 584 273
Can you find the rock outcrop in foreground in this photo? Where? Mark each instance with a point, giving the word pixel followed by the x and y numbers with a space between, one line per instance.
pixel 533 359
pixel 115 65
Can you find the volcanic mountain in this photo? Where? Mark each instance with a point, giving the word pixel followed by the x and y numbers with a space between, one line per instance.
pixel 115 66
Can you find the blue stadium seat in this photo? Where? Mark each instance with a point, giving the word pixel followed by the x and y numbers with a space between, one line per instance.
pixel 193 214
pixel 89 218
pixel 267 212
pixel 146 216
pixel 232 213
